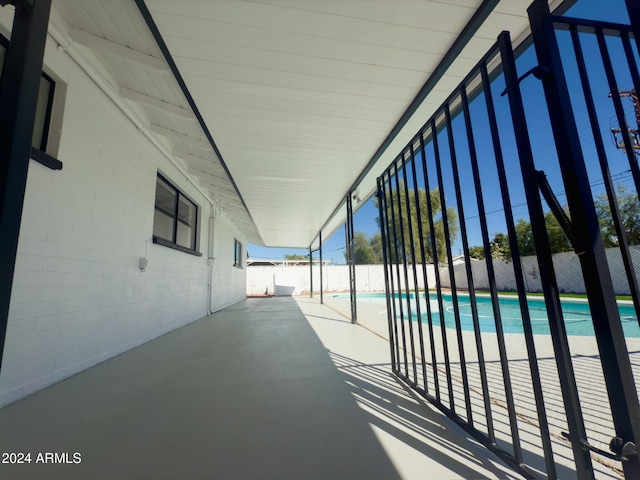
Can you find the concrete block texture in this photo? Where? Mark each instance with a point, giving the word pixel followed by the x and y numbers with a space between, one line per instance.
pixel 79 295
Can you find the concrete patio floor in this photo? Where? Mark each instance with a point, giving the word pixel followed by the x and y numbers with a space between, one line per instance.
pixel 273 388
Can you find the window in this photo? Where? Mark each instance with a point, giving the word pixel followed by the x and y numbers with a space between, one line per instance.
pixel 175 218
pixel 43 114
pixel 237 254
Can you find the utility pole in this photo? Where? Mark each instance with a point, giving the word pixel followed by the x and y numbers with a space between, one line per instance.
pixel 634 134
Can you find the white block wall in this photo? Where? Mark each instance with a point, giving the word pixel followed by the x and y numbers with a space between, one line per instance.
pixel 335 278
pixel 229 283
pixel 79 296
pixel 567 269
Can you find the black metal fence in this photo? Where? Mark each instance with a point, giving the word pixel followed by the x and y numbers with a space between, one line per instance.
pixel 506 165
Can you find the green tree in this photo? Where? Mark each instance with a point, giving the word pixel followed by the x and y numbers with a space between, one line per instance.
pixel 294 256
pixel 629 214
pixel 375 243
pixel 524 234
pixel 402 214
pixel 558 241
pixel 500 247
pixel 477 252
pixel 367 250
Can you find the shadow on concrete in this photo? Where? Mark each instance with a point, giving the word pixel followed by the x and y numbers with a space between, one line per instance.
pixel 393 408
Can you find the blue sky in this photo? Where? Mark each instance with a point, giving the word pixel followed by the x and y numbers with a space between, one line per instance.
pixel 542 144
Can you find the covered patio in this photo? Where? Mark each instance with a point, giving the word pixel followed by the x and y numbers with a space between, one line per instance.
pixel 168 137
pixel 268 388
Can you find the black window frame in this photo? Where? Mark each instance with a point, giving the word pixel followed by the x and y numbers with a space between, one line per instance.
pixel 172 243
pixel 39 153
pixel 47 116
pixel 237 253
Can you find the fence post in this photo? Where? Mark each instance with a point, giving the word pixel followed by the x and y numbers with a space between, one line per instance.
pixel 310 272
pixel 614 356
pixel 350 258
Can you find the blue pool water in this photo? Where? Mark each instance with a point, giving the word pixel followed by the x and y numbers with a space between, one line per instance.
pixel 577 316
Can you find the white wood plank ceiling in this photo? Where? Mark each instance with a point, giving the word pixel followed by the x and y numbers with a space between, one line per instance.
pixel 297 94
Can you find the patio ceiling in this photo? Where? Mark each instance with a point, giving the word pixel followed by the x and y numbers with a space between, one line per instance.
pixel 298 97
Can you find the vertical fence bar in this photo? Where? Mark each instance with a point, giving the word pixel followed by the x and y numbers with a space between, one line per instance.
pixel 614 356
pixel 604 167
pixel 504 365
pixel 432 345
pixel 18 101
pixel 633 8
pixel 465 245
pixel 573 410
pixel 398 301
pixel 413 264
pixel 635 77
pixel 506 54
pixel 320 251
pixel 416 192
pixel 631 61
pixel 617 105
pixel 403 248
pixel 385 262
pixel 390 257
pixel 452 274
pixel 434 253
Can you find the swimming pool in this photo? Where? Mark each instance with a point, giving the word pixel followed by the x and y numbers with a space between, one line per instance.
pixel 577 316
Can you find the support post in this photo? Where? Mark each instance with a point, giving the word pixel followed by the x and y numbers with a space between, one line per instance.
pixel 18 100
pixel 320 251
pixel 310 272
pixel 350 258
pixel 623 397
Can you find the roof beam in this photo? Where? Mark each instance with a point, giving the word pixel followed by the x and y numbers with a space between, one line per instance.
pixel 205 175
pixel 98 43
pixel 148 18
pixel 181 137
pixel 193 159
pixel 156 103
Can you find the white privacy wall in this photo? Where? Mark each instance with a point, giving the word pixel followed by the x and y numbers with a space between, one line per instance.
pixel 335 278
pixel 79 296
pixel 567 269
pixel 370 278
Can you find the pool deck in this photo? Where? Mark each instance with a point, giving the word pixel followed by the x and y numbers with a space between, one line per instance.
pixel 587 367
pixel 269 388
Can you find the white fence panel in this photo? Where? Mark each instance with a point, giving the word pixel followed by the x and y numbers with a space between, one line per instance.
pixel 370 278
